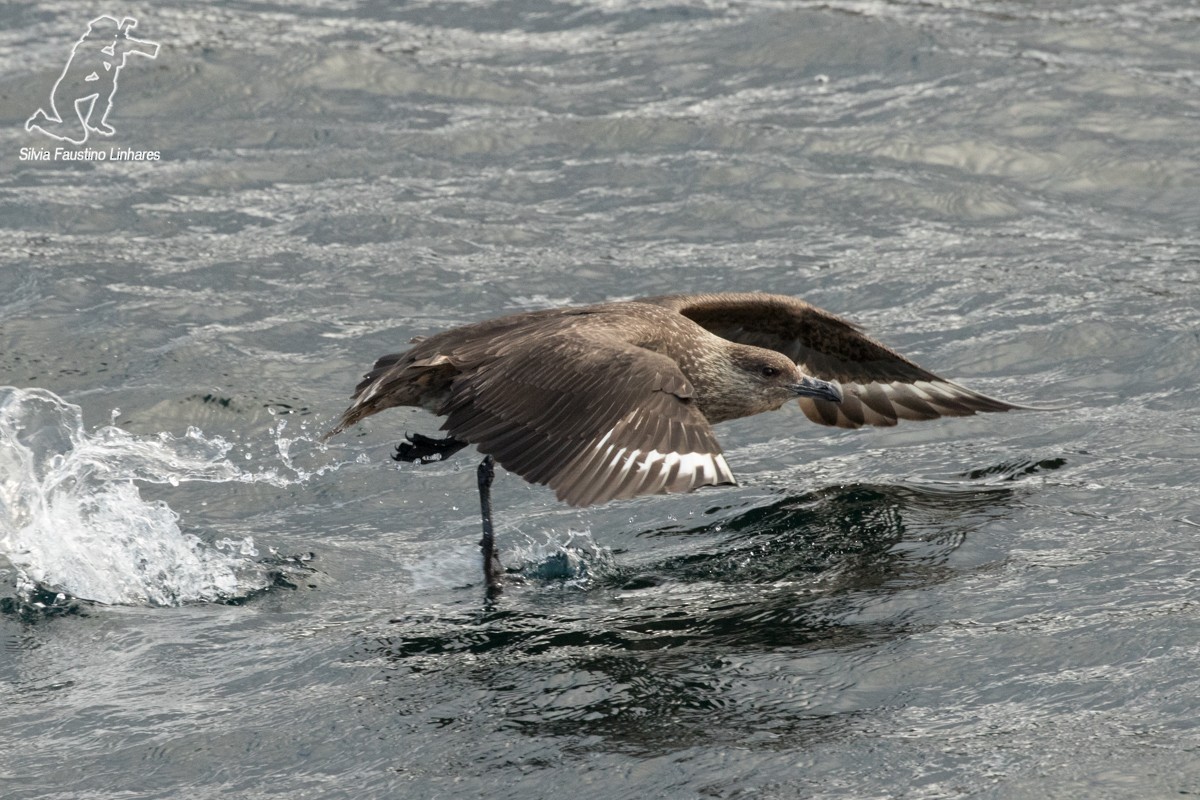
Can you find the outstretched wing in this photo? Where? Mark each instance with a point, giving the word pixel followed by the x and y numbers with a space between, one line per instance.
pixel 596 419
pixel 879 385
pixel 423 373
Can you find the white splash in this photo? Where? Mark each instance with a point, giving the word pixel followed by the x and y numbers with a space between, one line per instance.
pixel 72 517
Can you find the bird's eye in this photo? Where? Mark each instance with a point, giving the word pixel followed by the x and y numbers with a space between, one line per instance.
pixel 769 372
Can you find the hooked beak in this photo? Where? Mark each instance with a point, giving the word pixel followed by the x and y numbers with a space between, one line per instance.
pixel 812 387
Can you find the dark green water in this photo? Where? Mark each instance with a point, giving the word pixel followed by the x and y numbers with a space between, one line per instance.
pixel 996 606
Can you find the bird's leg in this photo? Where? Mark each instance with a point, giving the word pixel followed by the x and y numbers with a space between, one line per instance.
pixel 424 449
pixel 491 562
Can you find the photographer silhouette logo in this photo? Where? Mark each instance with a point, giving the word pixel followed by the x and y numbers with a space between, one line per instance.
pixel 88 83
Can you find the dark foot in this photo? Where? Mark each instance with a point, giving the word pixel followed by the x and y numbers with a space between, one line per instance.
pixel 421 449
pixel 492 569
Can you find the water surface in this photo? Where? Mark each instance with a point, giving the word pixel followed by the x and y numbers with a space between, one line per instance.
pixel 996 606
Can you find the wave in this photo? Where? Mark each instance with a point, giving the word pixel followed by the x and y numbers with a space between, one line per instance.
pixel 73 519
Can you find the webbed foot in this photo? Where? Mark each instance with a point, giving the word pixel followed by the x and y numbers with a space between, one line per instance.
pixel 421 449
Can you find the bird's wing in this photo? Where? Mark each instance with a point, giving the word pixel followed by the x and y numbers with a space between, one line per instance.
pixel 395 380
pixel 879 385
pixel 404 379
pixel 594 418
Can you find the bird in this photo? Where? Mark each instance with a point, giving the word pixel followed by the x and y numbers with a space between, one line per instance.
pixel 617 400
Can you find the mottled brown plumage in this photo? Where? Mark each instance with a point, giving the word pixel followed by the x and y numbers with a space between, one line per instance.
pixel 618 400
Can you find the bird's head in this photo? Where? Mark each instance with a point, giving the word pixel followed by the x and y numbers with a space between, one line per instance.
pixel 763 380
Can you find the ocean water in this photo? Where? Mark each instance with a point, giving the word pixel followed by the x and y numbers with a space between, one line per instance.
pixel 200 600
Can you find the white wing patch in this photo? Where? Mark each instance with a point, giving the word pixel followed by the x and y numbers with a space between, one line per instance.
pixel 885 403
pixel 620 472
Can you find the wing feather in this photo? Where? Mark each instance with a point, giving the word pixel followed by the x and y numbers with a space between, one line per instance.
pixel 879 385
pixel 595 418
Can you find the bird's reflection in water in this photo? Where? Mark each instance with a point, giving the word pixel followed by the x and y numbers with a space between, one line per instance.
pixel 660 656
pixel 866 535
